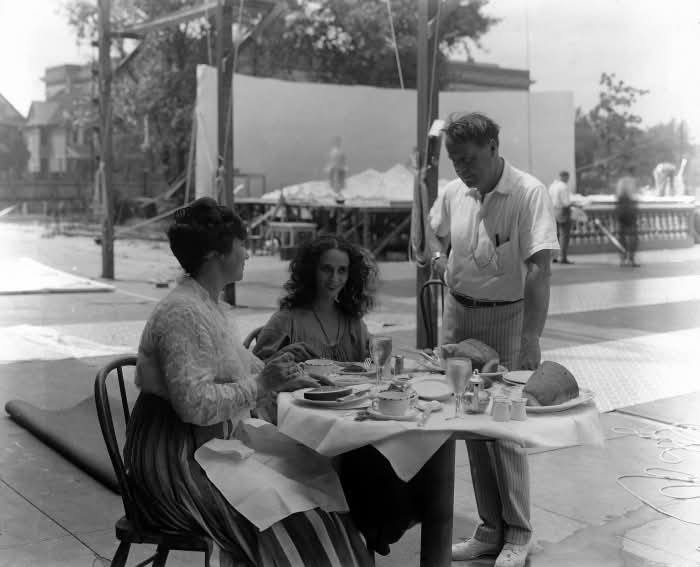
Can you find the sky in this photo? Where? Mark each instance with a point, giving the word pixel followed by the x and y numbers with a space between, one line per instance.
pixel 566 44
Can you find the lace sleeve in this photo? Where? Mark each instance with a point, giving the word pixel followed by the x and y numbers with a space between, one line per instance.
pixel 188 354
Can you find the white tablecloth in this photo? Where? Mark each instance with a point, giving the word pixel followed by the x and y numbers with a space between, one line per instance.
pixel 333 431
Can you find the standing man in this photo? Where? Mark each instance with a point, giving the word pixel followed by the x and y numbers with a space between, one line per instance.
pixel 559 194
pixel 626 213
pixel 499 223
pixel 336 166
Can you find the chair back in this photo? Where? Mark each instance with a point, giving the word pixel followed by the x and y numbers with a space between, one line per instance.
pixel 428 296
pixel 104 414
pixel 252 336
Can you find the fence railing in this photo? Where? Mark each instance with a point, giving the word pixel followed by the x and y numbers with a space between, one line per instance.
pixel 659 225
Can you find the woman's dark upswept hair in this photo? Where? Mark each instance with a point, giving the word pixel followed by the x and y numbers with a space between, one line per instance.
pixel 357 296
pixel 202 227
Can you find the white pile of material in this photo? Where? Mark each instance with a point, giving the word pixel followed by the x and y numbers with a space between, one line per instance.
pixel 369 187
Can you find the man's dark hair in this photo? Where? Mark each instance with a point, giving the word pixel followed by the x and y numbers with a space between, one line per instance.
pixel 472 127
pixel 202 227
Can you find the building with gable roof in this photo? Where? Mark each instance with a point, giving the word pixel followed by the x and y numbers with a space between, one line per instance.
pixel 57 131
pixel 13 153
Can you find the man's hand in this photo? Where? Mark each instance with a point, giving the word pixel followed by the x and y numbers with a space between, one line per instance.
pixel 530 354
pixel 438 267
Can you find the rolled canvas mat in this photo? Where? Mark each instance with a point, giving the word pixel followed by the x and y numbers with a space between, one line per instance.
pixel 75 433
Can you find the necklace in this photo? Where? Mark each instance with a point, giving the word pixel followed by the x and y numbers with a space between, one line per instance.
pixel 323 329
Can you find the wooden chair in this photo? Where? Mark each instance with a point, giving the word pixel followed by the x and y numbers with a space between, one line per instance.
pixel 252 336
pixel 130 528
pixel 427 290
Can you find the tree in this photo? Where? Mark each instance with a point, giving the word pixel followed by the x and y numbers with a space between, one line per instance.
pixel 158 85
pixel 338 41
pixel 610 138
pixel 14 154
pixel 607 135
pixel 351 42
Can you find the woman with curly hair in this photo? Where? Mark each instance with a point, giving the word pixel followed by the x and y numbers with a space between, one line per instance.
pixel 331 288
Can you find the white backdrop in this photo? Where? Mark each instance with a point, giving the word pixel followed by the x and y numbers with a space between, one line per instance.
pixel 284 129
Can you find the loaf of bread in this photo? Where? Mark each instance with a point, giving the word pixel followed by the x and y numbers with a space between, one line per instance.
pixel 551 384
pixel 328 393
pixel 479 353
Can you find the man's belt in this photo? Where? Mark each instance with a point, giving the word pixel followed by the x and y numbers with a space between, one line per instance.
pixel 467 301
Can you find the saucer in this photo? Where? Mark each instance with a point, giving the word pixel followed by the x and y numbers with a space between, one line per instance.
pixel 518 377
pixel 410 415
pixel 585 395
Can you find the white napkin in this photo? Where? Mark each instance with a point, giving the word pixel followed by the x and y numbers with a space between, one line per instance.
pixel 266 476
pixel 229 447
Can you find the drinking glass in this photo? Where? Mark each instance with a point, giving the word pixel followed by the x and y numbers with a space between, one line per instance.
pixel 380 349
pixel 457 372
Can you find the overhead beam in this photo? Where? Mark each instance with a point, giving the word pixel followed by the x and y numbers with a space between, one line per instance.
pixel 172 19
pixel 277 10
pixel 208 7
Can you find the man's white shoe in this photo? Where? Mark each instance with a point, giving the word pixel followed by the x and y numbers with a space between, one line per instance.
pixel 512 555
pixel 472 549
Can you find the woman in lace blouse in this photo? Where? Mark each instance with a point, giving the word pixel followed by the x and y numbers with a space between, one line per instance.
pixel 330 289
pixel 196 382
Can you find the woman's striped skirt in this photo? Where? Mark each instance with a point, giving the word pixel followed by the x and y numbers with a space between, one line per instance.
pixel 174 493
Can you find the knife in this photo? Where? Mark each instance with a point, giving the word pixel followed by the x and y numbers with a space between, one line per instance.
pixel 355 394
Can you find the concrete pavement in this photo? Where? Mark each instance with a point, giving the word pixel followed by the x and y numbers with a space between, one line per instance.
pixel 629 334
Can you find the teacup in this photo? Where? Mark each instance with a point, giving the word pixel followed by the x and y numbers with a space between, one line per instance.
pixel 394 403
pixel 320 366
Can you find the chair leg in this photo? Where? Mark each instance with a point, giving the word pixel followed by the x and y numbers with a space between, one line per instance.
pixel 161 556
pixel 121 555
pixel 207 557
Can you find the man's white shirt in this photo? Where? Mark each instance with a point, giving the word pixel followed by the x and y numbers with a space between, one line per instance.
pixel 559 194
pixel 492 239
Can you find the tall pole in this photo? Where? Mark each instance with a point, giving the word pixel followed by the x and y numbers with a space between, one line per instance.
pixel 224 60
pixel 106 137
pixel 427 94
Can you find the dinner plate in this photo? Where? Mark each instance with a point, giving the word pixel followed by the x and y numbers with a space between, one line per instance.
pixel 349 379
pixel 432 389
pixel 584 396
pixel 410 415
pixel 500 372
pixel 518 377
pixel 361 402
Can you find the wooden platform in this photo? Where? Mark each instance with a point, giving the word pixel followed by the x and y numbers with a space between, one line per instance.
pixel 379 227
